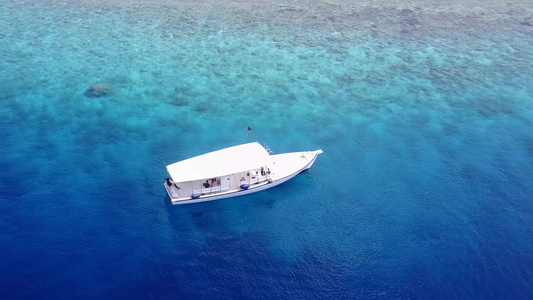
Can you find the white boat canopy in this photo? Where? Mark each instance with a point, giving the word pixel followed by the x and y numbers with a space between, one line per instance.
pixel 241 158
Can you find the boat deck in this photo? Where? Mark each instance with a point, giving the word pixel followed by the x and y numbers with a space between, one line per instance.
pixel 186 191
pixel 287 163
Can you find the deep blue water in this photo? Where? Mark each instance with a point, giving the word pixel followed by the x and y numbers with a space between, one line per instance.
pixel 424 189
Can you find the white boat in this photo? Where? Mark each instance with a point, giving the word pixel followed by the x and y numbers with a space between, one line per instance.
pixel 233 171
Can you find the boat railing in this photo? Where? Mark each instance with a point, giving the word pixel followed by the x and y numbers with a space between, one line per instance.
pixel 268 149
pixel 257 179
pixel 209 190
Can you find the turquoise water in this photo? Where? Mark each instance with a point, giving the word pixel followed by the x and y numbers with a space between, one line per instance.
pixel 424 188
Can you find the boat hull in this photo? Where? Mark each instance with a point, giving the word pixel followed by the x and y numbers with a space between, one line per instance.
pixel 281 175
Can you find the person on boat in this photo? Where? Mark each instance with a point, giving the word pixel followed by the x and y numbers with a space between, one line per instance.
pixel 249 130
pixel 206 184
pixel 170 183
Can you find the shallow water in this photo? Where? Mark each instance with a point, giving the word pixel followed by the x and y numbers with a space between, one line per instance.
pixel 424 188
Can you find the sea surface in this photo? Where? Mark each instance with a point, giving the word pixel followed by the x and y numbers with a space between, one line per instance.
pixel 424 113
